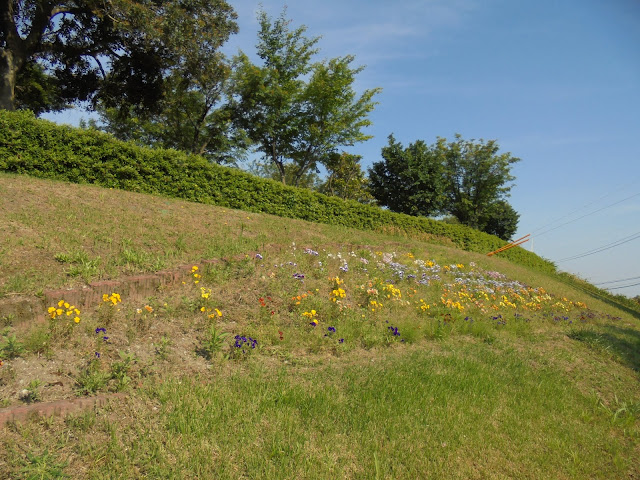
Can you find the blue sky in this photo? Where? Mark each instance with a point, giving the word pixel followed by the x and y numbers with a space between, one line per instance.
pixel 556 83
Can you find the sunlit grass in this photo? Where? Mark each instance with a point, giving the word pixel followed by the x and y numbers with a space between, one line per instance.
pixel 306 352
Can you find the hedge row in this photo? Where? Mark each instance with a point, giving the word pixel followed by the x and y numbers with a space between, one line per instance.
pixel 44 149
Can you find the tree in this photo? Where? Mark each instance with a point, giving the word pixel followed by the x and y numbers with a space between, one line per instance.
pixel 476 179
pixel 345 178
pixel 463 178
pixel 408 180
pixel 191 115
pixel 118 52
pixel 500 219
pixel 297 112
pixel 37 91
pixel 267 169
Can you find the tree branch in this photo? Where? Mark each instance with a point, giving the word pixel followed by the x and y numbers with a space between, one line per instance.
pixel 7 23
pixel 39 24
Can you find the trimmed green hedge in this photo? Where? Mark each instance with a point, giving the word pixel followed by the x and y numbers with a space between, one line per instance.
pixel 44 149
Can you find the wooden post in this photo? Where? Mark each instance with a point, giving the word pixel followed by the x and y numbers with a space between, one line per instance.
pixel 515 243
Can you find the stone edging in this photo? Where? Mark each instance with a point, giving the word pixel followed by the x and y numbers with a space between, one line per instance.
pixel 58 407
pixel 27 309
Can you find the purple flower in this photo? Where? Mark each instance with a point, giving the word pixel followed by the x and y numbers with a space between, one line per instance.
pixel 101 329
pixel 394 330
pixel 97 354
pixel 332 329
pixel 341 340
pixel 258 256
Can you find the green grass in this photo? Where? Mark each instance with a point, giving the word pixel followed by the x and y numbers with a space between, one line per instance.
pixel 485 369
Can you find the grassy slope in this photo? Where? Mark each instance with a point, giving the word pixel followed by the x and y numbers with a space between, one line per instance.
pixel 554 393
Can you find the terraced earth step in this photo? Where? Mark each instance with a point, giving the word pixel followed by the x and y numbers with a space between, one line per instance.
pixel 58 407
pixel 20 309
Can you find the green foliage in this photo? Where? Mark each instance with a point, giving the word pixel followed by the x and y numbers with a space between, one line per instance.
pixel 190 116
pixel 45 466
pixel 345 178
pixel 408 180
pixel 120 370
pixel 500 219
pixel 476 178
pixel 37 91
pixel 10 346
pixel 118 52
pixel 43 149
pixel 213 342
pixel 92 379
pixel 32 393
pixel 162 348
pixel 466 179
pixel 266 169
pixel 295 111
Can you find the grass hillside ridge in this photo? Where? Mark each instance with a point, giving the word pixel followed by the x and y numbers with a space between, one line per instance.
pixel 46 150
pixel 306 351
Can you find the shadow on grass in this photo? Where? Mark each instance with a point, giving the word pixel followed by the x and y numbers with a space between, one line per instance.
pixel 621 344
pixel 622 303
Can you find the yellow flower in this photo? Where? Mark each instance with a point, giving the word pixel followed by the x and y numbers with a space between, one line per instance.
pixel 59 311
pixel 66 305
pixel 202 309
pixel 61 303
pixel 148 308
pixel 105 298
pixel 218 312
pixel 51 309
pixel 77 319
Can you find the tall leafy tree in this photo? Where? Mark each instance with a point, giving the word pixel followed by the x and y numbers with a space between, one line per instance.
pixel 477 176
pixel 500 219
pixel 296 111
pixel 118 52
pixel 345 178
pixel 191 115
pixel 464 178
pixel 409 179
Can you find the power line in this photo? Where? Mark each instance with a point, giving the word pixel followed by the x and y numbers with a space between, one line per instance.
pixel 617 281
pixel 588 214
pixel 624 286
pixel 585 205
pixel 604 247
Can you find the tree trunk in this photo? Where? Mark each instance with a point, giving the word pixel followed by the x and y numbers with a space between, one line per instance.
pixel 8 73
pixel 278 163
